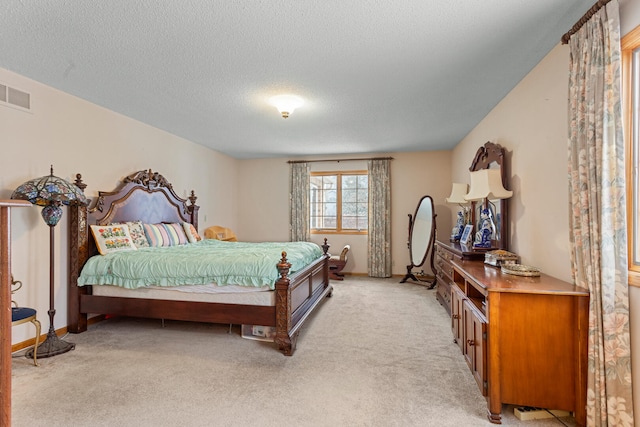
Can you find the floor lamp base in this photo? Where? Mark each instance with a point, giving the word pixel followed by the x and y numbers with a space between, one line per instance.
pixel 51 346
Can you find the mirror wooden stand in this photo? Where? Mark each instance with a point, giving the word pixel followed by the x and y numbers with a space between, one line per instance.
pixel 422 233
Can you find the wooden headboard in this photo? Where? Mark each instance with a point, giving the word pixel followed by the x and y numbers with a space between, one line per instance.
pixel 145 196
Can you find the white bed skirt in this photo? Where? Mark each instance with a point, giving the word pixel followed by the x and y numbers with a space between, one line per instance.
pixel 200 293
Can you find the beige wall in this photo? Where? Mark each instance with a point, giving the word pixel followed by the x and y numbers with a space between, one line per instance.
pixel 530 123
pixel 413 175
pixel 79 137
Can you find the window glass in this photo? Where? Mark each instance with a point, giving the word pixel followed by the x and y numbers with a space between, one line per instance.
pixel 339 202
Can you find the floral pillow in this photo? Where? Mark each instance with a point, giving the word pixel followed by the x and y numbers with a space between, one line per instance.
pixel 136 231
pixel 191 232
pixel 112 238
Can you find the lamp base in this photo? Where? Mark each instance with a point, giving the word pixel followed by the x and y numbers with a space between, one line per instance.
pixel 51 346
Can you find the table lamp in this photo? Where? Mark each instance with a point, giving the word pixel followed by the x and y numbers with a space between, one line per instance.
pixel 458 191
pixel 486 184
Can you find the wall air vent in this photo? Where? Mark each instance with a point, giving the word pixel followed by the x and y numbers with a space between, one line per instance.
pixel 12 97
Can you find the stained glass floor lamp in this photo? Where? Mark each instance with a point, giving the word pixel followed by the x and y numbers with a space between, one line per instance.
pixel 51 192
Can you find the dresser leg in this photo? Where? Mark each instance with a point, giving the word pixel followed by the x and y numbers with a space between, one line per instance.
pixel 494 418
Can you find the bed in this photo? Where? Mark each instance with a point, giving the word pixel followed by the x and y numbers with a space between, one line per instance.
pixel 148 197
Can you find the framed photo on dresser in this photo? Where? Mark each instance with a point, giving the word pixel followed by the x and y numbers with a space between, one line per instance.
pixel 465 239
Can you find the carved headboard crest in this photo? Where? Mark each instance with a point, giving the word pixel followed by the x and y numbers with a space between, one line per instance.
pixel 487 154
pixel 149 179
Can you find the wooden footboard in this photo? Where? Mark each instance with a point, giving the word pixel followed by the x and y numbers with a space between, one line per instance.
pixel 297 297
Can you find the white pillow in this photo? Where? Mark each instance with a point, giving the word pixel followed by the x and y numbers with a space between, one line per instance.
pixel 112 238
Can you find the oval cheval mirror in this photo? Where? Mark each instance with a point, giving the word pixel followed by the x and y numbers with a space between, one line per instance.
pixel 422 230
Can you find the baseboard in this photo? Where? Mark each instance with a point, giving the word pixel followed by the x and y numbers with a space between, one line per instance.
pixel 425 277
pixel 59 332
pixel 30 342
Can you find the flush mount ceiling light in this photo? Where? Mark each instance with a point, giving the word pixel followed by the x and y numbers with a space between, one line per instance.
pixel 286 103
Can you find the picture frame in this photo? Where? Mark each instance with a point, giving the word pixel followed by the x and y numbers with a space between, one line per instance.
pixel 465 239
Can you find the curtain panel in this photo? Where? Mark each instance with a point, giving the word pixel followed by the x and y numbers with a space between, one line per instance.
pixel 379 250
pixel 598 230
pixel 299 202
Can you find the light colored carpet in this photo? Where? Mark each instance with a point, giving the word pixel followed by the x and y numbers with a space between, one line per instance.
pixel 378 353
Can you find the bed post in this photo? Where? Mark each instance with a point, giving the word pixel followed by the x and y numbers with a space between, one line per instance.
pixel 286 343
pixel 192 210
pixel 78 254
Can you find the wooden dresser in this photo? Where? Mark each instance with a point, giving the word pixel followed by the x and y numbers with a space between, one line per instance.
pixel 446 252
pixel 524 338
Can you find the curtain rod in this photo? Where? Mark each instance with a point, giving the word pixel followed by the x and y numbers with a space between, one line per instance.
pixel 596 7
pixel 339 160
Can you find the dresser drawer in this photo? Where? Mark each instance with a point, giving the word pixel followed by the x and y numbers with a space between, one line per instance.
pixel 443 253
pixel 443 294
pixel 444 289
pixel 444 267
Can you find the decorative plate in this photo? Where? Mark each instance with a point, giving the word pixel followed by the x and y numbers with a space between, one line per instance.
pixel 520 270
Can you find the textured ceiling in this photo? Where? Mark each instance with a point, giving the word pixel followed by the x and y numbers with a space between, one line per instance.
pixel 376 75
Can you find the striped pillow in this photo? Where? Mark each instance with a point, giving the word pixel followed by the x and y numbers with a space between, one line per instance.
pixel 176 233
pixel 165 234
pixel 155 235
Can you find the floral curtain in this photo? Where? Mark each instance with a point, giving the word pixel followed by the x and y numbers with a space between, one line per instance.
pixel 598 213
pixel 299 202
pixel 379 264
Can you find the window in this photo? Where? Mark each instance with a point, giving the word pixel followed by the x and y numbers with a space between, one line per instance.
pixel 631 98
pixel 339 202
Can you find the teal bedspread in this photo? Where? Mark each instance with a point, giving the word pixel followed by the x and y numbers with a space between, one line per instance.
pixel 207 261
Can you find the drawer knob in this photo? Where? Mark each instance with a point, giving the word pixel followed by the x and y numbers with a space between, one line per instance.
pixel 455 316
pixel 471 342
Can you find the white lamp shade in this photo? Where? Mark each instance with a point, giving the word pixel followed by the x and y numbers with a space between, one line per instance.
pixel 458 191
pixel 487 184
pixel 286 104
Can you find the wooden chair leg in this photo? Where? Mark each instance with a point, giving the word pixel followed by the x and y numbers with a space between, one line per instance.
pixel 334 276
pixel 335 270
pixel 36 323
